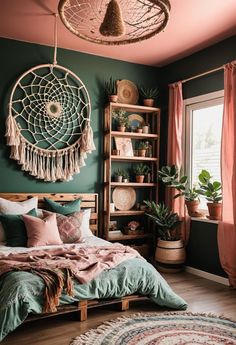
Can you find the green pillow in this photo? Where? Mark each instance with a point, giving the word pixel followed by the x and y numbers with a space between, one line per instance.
pixel 14 228
pixel 67 208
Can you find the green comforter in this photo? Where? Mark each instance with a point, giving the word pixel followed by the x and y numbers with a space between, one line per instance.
pixel 21 293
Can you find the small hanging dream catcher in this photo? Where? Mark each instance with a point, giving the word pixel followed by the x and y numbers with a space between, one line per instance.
pixel 48 126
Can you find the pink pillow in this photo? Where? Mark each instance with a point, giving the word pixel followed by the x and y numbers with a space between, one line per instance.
pixel 69 226
pixel 41 232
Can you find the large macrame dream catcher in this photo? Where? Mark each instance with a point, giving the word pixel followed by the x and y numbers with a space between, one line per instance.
pixel 48 126
pixel 115 22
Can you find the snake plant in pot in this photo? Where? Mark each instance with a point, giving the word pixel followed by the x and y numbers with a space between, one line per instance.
pixel 211 190
pixel 170 252
pixel 169 175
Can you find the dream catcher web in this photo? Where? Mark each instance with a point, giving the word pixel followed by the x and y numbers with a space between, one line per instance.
pixel 48 127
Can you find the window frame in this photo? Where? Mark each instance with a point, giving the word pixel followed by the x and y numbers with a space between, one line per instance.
pixel 189 105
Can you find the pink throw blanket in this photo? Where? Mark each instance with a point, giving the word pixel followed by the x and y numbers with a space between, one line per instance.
pixel 57 267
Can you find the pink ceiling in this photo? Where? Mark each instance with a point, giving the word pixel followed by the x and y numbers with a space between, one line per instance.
pixel 193 25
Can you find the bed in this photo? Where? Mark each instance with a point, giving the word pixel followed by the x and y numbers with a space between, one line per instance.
pixel 22 293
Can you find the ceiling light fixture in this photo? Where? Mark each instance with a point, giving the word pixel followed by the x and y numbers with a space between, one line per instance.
pixel 114 22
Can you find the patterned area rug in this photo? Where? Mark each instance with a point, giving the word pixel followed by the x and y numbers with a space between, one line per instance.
pixel 162 329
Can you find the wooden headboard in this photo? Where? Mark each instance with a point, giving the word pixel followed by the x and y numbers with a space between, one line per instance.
pixel 89 200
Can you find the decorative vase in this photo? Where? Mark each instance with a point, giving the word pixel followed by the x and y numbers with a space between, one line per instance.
pixel 170 256
pixel 192 207
pixel 121 129
pixel 215 210
pixel 145 129
pixel 113 98
pixel 148 102
pixel 139 178
pixel 142 153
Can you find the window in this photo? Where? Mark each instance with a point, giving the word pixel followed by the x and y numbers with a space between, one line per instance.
pixel 203 127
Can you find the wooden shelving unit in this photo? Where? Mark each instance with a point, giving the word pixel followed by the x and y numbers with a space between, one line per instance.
pixel 152 117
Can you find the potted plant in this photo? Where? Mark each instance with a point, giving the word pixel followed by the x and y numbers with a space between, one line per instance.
pixel 146 128
pixel 170 177
pixel 125 176
pixel 170 252
pixel 140 170
pixel 149 95
pixel 142 148
pixel 139 129
pixel 121 118
pixel 118 174
pixel 111 90
pixel 211 190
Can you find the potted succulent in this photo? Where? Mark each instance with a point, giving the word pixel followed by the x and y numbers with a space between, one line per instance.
pixel 170 177
pixel 149 95
pixel 212 191
pixel 142 148
pixel 170 252
pixel 125 176
pixel 140 170
pixel 121 118
pixel 111 90
pixel 118 174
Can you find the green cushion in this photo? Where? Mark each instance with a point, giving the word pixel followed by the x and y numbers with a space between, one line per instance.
pixel 15 230
pixel 66 209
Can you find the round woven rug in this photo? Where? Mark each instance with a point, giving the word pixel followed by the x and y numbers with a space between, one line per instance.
pixel 162 329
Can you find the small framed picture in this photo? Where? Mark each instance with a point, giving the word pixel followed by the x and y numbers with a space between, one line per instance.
pixel 113 225
pixel 124 146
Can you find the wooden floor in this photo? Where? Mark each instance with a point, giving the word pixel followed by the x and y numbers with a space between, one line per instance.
pixel 202 296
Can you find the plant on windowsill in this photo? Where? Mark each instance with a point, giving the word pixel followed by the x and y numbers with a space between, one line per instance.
pixel 169 175
pixel 111 90
pixel 121 118
pixel 170 252
pixel 140 170
pixel 149 95
pixel 212 191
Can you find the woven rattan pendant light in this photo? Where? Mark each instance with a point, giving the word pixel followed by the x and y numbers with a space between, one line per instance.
pixel 114 22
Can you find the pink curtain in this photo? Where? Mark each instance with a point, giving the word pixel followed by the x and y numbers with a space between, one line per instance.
pixel 174 151
pixel 227 227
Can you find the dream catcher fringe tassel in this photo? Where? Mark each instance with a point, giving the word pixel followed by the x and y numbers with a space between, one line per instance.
pixel 49 166
pixel 48 126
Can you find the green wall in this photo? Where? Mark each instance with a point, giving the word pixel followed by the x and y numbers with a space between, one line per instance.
pixel 17 57
pixel 202 250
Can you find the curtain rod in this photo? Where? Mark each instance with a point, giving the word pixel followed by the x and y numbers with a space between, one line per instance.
pixel 202 74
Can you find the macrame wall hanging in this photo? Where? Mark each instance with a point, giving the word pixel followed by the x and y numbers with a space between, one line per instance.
pixel 48 126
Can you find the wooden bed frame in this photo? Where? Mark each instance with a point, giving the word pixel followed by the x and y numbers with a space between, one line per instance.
pixel 89 200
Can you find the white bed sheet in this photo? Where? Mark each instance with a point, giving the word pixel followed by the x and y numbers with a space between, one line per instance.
pixel 87 242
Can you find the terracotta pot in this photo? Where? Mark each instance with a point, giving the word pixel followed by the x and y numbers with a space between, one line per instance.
pixel 142 153
pixel 113 98
pixel 215 210
pixel 148 102
pixel 121 129
pixel 139 178
pixel 192 207
pixel 170 256
pixel 139 130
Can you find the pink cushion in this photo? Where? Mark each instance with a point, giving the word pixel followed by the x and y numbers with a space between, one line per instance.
pixel 41 232
pixel 69 226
